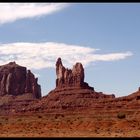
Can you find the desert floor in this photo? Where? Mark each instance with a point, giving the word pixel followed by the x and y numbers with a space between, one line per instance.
pixel 92 124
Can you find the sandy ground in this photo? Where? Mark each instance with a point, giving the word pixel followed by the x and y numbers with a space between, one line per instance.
pixel 105 124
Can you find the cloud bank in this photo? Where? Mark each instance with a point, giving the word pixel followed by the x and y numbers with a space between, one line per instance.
pixel 44 55
pixel 10 12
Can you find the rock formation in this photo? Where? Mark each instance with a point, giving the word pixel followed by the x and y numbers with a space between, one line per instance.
pixel 71 91
pixel 70 78
pixel 71 95
pixel 16 80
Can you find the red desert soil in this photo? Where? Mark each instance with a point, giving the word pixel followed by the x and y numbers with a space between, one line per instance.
pixel 94 123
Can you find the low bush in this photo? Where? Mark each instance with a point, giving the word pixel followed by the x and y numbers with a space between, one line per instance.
pixel 39 116
pixel 121 115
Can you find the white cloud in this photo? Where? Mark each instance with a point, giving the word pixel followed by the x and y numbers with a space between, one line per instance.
pixel 10 12
pixel 43 55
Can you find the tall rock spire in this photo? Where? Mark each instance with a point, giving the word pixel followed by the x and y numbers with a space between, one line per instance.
pixel 70 78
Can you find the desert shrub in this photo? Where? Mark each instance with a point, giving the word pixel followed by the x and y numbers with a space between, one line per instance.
pixel 121 115
pixel 6 119
pixel 68 120
pixel 19 119
pixel 39 116
pixel 56 116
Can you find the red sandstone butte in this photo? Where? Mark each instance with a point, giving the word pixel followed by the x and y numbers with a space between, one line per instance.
pixel 71 91
pixel 17 80
pixel 73 79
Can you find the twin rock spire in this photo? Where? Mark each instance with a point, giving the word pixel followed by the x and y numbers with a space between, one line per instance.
pixel 70 78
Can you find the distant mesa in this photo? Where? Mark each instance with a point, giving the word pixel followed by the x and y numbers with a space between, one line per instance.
pixel 17 80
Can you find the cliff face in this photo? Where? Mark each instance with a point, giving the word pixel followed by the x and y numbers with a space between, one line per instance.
pixel 16 80
pixel 70 78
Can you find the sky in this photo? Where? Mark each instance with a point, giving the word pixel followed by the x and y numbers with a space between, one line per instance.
pixel 104 37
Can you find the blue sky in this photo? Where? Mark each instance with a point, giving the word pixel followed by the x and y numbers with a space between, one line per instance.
pixel 104 37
